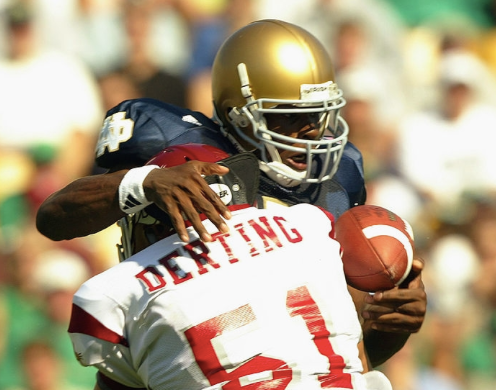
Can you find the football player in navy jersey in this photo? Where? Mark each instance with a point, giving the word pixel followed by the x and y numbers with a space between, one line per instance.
pixel 274 94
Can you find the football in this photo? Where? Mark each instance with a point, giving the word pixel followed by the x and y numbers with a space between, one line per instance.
pixel 377 247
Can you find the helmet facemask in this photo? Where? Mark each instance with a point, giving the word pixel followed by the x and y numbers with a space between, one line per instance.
pixel 324 101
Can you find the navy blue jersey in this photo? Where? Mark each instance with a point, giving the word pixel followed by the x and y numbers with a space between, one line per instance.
pixel 136 130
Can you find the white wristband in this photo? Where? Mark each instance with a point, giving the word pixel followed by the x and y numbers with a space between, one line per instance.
pixel 131 193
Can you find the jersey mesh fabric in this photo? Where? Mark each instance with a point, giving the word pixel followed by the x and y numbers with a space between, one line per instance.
pixel 277 305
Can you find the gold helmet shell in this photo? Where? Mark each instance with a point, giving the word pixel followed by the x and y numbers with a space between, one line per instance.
pixel 279 57
pixel 270 64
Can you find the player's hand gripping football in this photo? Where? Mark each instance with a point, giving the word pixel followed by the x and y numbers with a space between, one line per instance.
pixel 182 192
pixel 401 309
pixel 391 316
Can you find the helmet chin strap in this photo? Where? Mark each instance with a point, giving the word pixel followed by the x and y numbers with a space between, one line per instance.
pixel 233 140
pixel 276 169
pixel 279 172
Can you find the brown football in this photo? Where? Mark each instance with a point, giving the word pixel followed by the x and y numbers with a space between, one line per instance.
pixel 377 247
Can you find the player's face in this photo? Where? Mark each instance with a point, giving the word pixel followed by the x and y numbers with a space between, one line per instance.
pixel 297 125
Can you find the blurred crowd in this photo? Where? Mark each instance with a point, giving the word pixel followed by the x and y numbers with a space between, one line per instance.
pixel 419 78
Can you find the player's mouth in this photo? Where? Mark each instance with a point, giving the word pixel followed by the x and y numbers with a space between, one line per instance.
pixel 297 161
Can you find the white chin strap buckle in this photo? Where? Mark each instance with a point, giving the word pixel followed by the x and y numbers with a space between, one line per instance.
pixel 283 174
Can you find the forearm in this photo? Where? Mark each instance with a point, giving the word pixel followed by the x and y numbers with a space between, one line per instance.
pixel 380 346
pixel 83 207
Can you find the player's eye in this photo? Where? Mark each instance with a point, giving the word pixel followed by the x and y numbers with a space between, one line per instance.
pixel 292 118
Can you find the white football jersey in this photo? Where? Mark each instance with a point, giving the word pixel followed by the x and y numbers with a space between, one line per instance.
pixel 263 306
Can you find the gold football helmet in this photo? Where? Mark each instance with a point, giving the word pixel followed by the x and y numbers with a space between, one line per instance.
pixel 270 66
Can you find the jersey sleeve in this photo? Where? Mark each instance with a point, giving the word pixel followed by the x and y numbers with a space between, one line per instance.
pixel 96 329
pixel 350 175
pixel 137 129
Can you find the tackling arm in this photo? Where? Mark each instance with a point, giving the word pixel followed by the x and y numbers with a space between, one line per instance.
pixel 90 204
pixel 85 206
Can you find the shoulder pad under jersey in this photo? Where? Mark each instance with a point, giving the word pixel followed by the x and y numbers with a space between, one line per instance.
pixel 351 176
pixel 135 130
